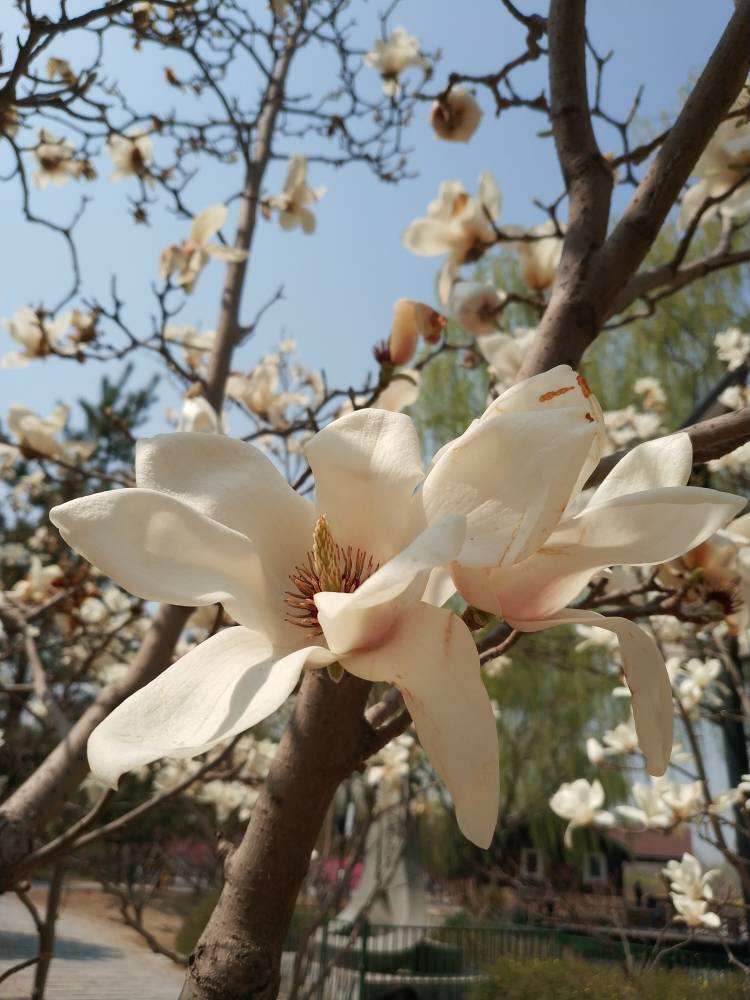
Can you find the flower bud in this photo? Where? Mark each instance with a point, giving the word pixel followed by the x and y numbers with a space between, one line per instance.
pixel 456 117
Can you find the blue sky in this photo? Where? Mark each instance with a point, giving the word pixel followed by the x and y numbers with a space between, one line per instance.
pixel 340 284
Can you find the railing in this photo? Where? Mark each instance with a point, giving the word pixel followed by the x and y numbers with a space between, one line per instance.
pixel 373 962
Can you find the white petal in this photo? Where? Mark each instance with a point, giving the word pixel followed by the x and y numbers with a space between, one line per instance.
pixel 511 506
pixel 207 223
pixel 645 673
pixel 666 461
pixel 366 466
pixel 440 587
pixel 489 194
pixel 638 529
pixel 229 683
pixel 433 661
pixel 426 238
pixel 237 485
pixel 229 255
pixel 363 619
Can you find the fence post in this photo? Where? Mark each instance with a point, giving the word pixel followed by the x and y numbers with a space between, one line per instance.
pixel 322 959
pixel 363 960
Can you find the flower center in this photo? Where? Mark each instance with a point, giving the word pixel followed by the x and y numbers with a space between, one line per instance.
pixel 328 567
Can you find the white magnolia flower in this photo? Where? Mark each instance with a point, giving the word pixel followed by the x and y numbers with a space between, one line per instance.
pixel 654 397
pixel 580 803
pixel 392 55
pixel 457 117
pixel 458 225
pixel 401 391
pixel 297 194
pixel 629 426
pixel 339 582
pixel 688 879
pixel 694 912
pixel 187 259
pixel 39 585
pixel 57 161
pixel 736 397
pixel 540 257
pixel 685 800
pixel 595 638
pixel 40 434
pixel 732 346
pixel 412 320
pixel 36 335
pixel 724 801
pixel 595 751
pixel 476 307
pixel 696 676
pixel 504 353
pixel 650 810
pixel 389 772
pixel 199 416
pixel 196 343
pixel 724 162
pixel 735 462
pixel 258 389
pixel 131 154
pixel 497 666
pixel 622 739
pixel 544 557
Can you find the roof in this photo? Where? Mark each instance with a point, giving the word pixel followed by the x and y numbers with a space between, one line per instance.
pixel 653 845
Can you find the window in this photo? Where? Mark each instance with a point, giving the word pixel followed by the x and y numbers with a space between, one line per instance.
pixel 532 865
pixel 594 867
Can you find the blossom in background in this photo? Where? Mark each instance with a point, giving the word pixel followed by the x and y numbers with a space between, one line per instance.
pixel 56 158
pixel 650 809
pixel 196 343
pixel 412 320
pixel 39 585
pixel 477 307
pixel 36 335
pixel 296 195
pixel 504 353
pixel 732 347
pixel 40 434
pixel 456 117
pixel 401 391
pixel 651 391
pixel 389 772
pixel 131 154
pixel 457 225
pixel 580 802
pixel 735 462
pixel 684 799
pixel 60 69
pixel 187 259
pixel 547 548
pixel 540 256
pixel 621 740
pixel 199 416
pixel 723 163
pixel 629 426
pixel 697 675
pixel 691 891
pixel 392 55
pixel 336 584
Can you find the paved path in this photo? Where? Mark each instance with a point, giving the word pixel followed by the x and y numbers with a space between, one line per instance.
pixel 95 959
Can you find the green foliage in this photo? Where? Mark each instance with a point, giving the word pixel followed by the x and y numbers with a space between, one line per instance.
pixel 195 922
pixel 573 979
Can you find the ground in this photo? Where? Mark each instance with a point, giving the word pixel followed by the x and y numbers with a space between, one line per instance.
pixel 96 955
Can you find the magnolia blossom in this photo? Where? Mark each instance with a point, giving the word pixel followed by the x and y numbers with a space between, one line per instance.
pixel 401 391
pixel 390 772
pixel 629 426
pixel 723 163
pixel 732 346
pixel 504 353
pixel 57 161
pixel 694 912
pixel 412 320
pixel 458 225
pixel 622 739
pixel 546 546
pixel 685 800
pixel 476 307
pixel 39 584
pixel 688 880
pixel 297 194
pixel 131 154
pixel 337 584
pixel 456 117
pixel 40 434
pixel 654 397
pixel 196 343
pixel 650 810
pixel 735 462
pixel 580 803
pixel 540 256
pixel 594 638
pixel 199 416
pixel 187 259
pixel 735 397
pixel 392 55
pixel 697 676
pixel 36 335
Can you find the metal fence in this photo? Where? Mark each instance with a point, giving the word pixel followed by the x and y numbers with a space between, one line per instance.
pixel 377 962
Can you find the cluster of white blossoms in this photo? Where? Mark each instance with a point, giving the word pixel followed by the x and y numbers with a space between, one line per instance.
pixel 691 892
pixel 131 154
pixel 733 348
pixel 57 162
pixel 356 580
pixel 392 55
pixel 41 436
pixel 186 260
pixel 277 388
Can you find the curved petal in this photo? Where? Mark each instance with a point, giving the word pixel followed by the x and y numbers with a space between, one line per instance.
pixel 229 255
pixel 363 619
pixel 157 547
pixel 645 673
pixel 237 485
pixel 225 685
pixel 401 391
pixel 433 661
pixel 426 237
pixel 489 194
pixel 666 461
pixel 366 467
pixel 477 587
pixel 440 587
pixel 639 529
pixel 511 507
pixel 207 223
